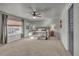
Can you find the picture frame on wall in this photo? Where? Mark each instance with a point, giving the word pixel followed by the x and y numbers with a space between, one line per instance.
pixel 60 23
pixel 27 27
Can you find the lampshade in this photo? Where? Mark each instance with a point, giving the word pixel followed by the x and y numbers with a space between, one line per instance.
pixel 53 27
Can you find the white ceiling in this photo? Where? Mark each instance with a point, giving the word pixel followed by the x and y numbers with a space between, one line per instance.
pixel 23 10
pixel 54 9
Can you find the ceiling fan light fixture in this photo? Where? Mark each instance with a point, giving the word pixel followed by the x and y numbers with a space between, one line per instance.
pixel 34 17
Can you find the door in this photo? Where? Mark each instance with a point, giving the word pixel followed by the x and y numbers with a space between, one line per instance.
pixel 70 29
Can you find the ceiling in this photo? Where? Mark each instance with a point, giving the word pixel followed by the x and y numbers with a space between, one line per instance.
pixel 23 9
pixel 54 10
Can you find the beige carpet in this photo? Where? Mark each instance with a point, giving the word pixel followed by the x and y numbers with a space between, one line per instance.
pixel 51 47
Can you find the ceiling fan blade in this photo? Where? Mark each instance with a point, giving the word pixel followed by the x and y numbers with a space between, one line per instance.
pixel 39 16
pixel 38 13
pixel 43 10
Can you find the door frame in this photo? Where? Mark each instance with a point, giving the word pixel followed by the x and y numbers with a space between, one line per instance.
pixel 4 29
pixel 71 29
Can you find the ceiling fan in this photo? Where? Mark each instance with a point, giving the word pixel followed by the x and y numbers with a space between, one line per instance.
pixel 34 12
pixel 37 12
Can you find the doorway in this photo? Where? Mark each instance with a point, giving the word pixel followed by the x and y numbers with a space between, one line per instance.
pixel 70 30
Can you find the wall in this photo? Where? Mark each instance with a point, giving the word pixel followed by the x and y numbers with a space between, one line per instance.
pixel 64 29
pixel 26 31
pixel 46 22
pixel 76 29
pixel 43 23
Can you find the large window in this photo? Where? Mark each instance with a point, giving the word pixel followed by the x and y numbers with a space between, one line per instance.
pixel 14 28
